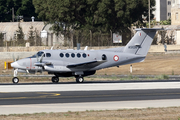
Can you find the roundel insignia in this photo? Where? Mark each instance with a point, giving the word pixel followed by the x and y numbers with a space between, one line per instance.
pixel 116 58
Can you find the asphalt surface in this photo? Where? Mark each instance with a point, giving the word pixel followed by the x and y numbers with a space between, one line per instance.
pixel 97 95
pixel 19 98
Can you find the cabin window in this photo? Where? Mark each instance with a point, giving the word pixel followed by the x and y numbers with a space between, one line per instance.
pixel 61 55
pixel 84 55
pixel 48 54
pixel 104 57
pixel 67 55
pixel 78 55
pixel 72 55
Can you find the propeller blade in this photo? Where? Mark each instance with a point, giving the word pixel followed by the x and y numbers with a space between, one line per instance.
pixel 41 58
pixel 37 58
pixel 17 58
pixel 13 57
pixel 27 71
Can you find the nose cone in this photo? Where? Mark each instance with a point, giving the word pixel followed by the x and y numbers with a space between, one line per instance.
pixel 14 65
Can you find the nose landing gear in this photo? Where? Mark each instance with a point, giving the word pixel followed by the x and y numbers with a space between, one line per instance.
pixel 15 79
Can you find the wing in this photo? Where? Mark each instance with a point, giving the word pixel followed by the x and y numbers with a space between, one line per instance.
pixel 86 64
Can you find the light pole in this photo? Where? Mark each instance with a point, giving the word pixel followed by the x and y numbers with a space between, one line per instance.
pixel 12 14
pixel 149 13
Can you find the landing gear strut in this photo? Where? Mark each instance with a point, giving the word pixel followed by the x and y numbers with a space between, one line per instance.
pixel 55 79
pixel 79 79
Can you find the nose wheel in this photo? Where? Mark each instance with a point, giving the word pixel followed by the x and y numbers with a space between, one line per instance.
pixel 79 79
pixel 55 79
pixel 15 80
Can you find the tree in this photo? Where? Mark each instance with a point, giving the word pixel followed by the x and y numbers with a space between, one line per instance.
pixel 20 36
pixel 1 39
pixel 31 37
pixel 5 10
pixel 166 22
pixel 105 15
pixel 25 8
pixel 21 7
pixel 92 15
pixel 163 36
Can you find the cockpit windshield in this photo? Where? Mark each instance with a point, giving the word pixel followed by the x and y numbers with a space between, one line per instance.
pixel 39 54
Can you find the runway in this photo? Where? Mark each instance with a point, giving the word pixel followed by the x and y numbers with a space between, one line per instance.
pixel 86 96
pixel 27 98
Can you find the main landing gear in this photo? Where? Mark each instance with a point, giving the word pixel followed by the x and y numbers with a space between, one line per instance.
pixel 79 79
pixel 55 79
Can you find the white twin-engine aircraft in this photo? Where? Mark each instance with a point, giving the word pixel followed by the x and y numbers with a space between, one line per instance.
pixel 80 63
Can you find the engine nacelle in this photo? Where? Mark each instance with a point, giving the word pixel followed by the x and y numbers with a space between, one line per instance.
pixel 21 71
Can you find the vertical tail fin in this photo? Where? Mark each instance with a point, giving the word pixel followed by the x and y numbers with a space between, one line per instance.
pixel 141 41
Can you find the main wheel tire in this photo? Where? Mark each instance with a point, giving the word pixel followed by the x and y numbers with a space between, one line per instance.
pixel 15 80
pixel 79 79
pixel 55 79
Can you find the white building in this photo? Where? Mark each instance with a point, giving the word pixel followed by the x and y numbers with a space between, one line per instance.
pixel 162 10
pixel 175 11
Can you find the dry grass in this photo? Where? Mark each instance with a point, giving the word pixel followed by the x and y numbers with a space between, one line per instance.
pixel 172 113
pixel 154 64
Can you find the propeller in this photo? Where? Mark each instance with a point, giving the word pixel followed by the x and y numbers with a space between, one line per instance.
pixel 39 63
pixel 15 59
pixel 15 71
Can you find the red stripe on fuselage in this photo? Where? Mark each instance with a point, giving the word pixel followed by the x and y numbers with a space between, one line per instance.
pixel 30 63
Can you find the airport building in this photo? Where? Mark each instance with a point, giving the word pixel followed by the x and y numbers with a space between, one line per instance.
pixel 175 12
pixel 9 30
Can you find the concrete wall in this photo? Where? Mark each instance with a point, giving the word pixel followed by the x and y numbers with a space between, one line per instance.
pixel 9 55
pixel 160 48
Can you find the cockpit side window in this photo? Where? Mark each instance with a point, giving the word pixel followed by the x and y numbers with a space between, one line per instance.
pixel 39 54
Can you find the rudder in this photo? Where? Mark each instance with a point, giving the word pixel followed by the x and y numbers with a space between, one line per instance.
pixel 141 41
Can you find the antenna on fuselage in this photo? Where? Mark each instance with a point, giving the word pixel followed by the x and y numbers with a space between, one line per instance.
pixel 52 47
pixel 86 48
